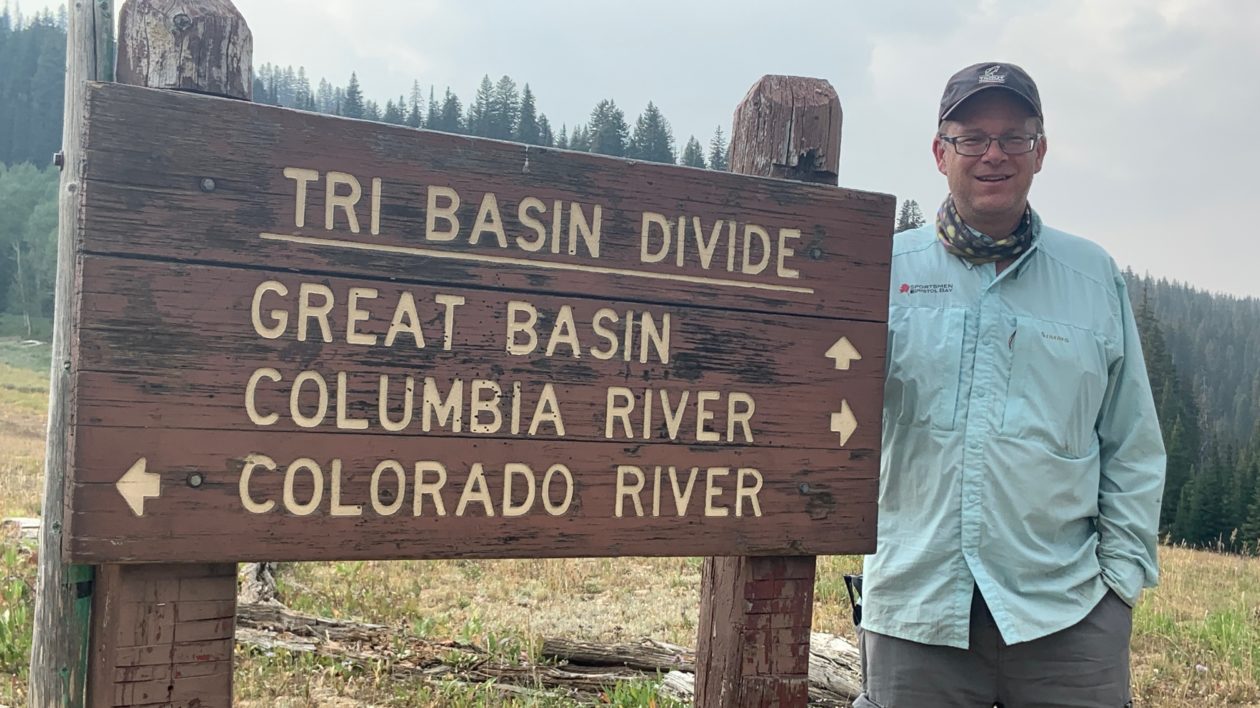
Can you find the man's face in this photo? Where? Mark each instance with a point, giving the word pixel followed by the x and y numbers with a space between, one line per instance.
pixel 990 190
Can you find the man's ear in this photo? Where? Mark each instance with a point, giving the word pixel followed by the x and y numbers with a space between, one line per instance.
pixel 938 151
pixel 1041 154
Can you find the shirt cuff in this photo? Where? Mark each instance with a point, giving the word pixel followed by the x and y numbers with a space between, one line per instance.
pixel 1125 577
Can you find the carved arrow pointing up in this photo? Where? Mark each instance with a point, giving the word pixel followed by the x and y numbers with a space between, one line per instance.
pixel 843 352
pixel 843 423
pixel 137 485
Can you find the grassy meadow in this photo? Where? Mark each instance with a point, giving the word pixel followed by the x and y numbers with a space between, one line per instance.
pixel 1196 639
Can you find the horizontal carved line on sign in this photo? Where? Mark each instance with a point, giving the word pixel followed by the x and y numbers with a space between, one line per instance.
pixel 603 270
pixel 854 452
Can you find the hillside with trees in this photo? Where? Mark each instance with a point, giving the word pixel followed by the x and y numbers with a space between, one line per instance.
pixel 1202 349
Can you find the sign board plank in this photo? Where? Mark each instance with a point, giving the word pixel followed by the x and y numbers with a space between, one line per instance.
pixel 304 337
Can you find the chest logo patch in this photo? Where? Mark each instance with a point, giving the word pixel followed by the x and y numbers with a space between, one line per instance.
pixel 926 288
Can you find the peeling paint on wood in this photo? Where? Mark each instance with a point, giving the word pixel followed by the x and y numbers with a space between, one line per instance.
pixel 756 612
pixel 258 337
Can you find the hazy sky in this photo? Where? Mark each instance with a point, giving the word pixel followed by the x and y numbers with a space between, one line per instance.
pixel 1150 105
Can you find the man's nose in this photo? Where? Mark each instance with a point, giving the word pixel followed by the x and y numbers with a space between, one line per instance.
pixel 994 153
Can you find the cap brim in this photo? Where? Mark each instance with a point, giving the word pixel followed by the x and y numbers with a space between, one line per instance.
pixel 985 87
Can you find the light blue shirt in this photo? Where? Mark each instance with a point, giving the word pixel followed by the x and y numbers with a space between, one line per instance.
pixel 1021 453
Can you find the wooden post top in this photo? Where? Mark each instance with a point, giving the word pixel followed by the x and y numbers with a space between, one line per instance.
pixel 189 45
pixel 788 127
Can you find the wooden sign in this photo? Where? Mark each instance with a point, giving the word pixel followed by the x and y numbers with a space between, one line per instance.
pixel 304 337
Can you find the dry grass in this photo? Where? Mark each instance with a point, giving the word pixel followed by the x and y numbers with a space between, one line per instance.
pixel 23 416
pixel 1196 639
pixel 1197 636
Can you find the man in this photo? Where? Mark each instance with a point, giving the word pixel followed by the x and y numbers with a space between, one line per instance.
pixel 1022 462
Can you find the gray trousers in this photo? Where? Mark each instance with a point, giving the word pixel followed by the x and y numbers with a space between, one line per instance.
pixel 1085 665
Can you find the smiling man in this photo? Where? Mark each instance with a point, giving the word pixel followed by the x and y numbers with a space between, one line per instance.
pixel 1022 462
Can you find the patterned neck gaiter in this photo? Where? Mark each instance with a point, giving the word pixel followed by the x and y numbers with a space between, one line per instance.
pixel 969 244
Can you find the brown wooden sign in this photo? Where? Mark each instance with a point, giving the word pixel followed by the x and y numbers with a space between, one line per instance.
pixel 304 337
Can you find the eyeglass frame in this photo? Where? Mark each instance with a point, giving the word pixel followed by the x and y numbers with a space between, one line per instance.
pixel 990 139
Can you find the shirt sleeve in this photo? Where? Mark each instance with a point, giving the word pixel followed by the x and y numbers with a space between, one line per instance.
pixel 1133 462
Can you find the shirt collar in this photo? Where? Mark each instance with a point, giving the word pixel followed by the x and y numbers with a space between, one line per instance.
pixel 1018 266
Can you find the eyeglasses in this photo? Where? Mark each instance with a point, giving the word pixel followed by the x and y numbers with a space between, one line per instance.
pixel 977 145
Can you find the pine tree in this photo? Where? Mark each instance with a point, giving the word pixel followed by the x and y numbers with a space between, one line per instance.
pixel 1205 524
pixel 580 138
pixel 608 131
pixel 479 118
pixel 1250 532
pixel 562 140
pixel 528 129
pixel 433 118
pixel 393 113
pixel 1183 528
pixel 1174 408
pixel 303 98
pixel 352 105
pixel 505 106
pixel 286 87
pixel 909 217
pixel 1239 487
pixel 371 111
pixel 544 131
pixel 717 151
pixel 693 154
pixel 653 139
pixel 415 112
pixel 449 121
pixel 325 100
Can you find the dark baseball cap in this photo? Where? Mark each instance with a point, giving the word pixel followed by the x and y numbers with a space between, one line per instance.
pixel 989 75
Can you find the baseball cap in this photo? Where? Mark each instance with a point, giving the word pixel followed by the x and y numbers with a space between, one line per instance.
pixel 989 75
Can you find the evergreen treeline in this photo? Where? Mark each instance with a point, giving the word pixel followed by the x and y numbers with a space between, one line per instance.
pixel 501 109
pixel 1203 356
pixel 32 81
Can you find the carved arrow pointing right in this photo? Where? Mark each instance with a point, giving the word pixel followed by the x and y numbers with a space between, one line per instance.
pixel 844 423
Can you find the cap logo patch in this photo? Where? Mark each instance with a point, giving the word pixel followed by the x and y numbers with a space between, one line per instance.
pixel 991 75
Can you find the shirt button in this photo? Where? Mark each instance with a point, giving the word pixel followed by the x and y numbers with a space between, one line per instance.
pixel 973 498
pixel 982 392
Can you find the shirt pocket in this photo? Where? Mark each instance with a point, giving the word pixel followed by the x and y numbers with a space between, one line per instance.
pixel 1058 380
pixel 924 365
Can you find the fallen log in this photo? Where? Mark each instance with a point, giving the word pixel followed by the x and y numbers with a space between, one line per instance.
pixel 835 671
pixel 646 655
pixel 583 670
pixel 20 528
pixel 258 583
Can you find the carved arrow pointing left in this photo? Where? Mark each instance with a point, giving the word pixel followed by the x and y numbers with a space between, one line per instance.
pixel 137 485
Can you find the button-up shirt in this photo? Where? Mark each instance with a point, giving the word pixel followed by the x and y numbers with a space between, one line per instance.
pixel 1021 453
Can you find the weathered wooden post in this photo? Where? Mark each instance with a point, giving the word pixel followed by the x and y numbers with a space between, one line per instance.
pixel 164 633
pixel 755 612
pixel 190 45
pixel 158 633
pixel 58 669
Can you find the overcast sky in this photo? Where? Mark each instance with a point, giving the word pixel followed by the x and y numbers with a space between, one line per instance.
pixel 1151 105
